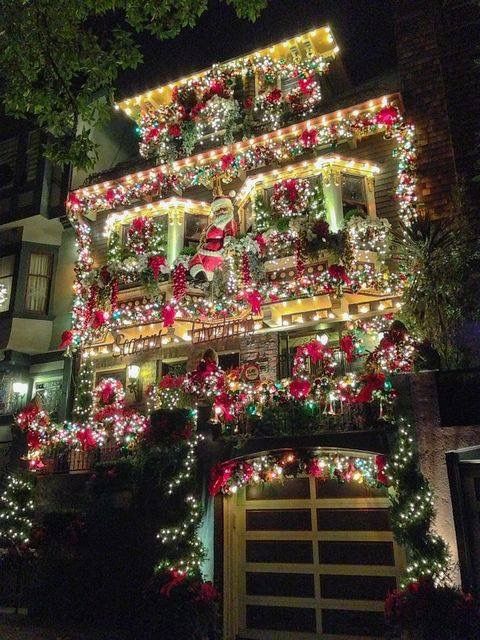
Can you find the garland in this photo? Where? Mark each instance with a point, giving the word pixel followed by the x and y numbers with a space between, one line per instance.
pixel 229 477
pixel 16 510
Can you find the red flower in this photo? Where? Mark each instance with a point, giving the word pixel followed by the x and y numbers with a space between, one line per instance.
pixel 314 469
pixel 226 161
pixel 174 130
pixel 299 388
pixel 274 96
pixel 387 116
pixel 217 87
pixel 309 138
pixel 86 439
pixel 73 200
pixel 248 103
pixel 306 85
pixel 197 109
pixel 338 272
pixel 110 195
pixel 99 318
pixel 347 345
pixel 107 394
pixel 168 315
pixel 171 382
pixel 67 339
pixel 223 406
pixel 316 350
pixel 152 134
pixel 158 265
pixel 219 476
pixel 370 382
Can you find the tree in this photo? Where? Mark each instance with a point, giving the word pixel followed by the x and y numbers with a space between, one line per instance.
pixel 440 260
pixel 59 60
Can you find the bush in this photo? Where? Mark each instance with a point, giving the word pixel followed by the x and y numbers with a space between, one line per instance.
pixel 423 611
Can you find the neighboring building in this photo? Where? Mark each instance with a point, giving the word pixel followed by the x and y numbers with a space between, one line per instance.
pixel 37 256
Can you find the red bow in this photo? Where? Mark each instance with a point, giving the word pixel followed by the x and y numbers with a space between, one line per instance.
pixel 219 476
pixel 99 319
pixel 387 116
pixel 347 345
pixel 370 383
pixel 66 340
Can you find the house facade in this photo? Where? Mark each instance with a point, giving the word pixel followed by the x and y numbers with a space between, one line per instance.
pixel 244 266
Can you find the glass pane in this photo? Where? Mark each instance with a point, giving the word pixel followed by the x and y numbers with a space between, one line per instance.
pixel 353 520
pixel 355 623
pixel 38 282
pixel 357 587
pixel 39 264
pixel 279 520
pixel 295 585
pixel 194 226
pixel 281 618
pixel 279 551
pixel 361 553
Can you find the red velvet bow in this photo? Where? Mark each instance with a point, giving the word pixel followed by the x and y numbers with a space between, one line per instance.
pixel 299 388
pixel 254 299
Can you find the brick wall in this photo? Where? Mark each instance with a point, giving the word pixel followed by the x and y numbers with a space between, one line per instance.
pixel 423 89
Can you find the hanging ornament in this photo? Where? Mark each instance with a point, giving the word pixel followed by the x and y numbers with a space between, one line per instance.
pixel 179 277
pixel 246 273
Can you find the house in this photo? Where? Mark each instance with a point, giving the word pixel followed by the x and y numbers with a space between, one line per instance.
pixel 253 239
pixel 37 259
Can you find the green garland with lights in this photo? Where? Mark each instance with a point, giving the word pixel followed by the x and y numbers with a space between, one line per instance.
pixel 412 512
pixel 16 510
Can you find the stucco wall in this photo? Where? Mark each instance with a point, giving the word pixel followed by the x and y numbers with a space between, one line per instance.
pixel 433 442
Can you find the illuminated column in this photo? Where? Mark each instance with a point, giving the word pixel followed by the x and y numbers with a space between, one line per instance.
pixel 175 233
pixel 332 192
pixel 370 193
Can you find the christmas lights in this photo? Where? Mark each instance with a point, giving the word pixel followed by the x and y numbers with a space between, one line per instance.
pixel 16 510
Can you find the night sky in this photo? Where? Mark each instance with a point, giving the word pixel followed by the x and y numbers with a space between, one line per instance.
pixel 363 29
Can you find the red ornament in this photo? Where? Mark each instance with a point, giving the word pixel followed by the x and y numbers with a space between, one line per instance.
pixel 299 388
pixel 67 339
pixel 73 200
pixel 168 315
pixel 261 242
pixel 246 274
pixel 309 138
pixel 179 277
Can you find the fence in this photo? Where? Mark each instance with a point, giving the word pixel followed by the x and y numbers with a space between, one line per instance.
pixel 72 461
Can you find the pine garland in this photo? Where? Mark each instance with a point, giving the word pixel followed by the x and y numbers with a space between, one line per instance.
pixel 262 214
pixel 84 392
pixel 412 512
pixel 317 203
pixel 16 510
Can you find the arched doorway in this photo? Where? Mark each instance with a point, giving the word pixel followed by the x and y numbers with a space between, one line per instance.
pixel 306 559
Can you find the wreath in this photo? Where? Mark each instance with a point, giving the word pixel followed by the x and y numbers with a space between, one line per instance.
pixel 140 233
pixel 291 197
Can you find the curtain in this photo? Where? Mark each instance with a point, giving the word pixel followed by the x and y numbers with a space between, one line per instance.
pixel 38 283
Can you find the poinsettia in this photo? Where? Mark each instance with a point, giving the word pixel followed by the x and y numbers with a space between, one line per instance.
pixel 309 138
pixel 299 388
pixel 388 116
pixel 274 96
pixel 158 264
pixel 338 272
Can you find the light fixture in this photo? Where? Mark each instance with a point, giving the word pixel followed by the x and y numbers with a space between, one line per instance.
pixel 323 339
pixel 20 388
pixel 133 371
pixel 133 374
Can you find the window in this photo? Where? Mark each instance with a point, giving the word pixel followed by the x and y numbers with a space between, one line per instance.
pixel 38 282
pixel 174 367
pixel 195 224
pixel 229 361
pixel 7 266
pixel 8 155
pixel 354 197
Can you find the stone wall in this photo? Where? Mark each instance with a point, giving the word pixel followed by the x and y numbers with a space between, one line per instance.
pixel 434 441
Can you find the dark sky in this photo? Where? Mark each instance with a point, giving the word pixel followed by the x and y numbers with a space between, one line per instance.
pixel 362 28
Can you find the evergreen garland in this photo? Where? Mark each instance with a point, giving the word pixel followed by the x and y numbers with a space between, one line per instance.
pixel 317 203
pixel 412 512
pixel 84 392
pixel 262 214
pixel 16 510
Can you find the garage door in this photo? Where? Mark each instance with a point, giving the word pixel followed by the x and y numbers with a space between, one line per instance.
pixel 307 559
